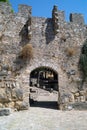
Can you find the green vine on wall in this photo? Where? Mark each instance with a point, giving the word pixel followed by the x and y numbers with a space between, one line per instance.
pixel 83 60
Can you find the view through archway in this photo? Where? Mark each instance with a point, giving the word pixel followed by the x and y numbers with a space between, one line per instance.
pixel 44 88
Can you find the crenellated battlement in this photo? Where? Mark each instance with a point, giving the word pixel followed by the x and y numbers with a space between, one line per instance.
pixel 58 21
pixel 76 18
pixel 25 10
pixel 5 8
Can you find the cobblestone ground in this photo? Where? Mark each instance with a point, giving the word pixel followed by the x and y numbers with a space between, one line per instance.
pixel 44 119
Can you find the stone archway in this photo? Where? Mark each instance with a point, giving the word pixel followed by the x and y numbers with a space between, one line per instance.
pixel 44 87
pixel 62 79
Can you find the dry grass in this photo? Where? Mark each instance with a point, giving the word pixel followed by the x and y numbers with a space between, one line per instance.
pixel 70 51
pixel 27 52
pixel 63 38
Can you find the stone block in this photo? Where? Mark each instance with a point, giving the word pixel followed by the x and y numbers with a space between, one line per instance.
pixel 82 98
pixel 69 107
pixel 71 98
pixel 78 99
pixel 13 85
pixel 17 94
pixel 76 94
pixel 8 92
pixel 1 105
pixel 17 85
pixel 6 105
pixel 3 96
pixel 5 67
pixel 64 99
pixel 21 105
pixel 71 72
pixel 5 111
pixel 80 106
pixel 11 104
pixel 2 85
pixel 82 93
pixel 3 73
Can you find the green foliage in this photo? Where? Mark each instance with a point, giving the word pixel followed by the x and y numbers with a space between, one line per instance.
pixel 83 59
pixel 4 1
pixel 83 64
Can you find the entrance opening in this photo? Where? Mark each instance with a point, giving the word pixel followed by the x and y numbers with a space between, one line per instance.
pixel 44 88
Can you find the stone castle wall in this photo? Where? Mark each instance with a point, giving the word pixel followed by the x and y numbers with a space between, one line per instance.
pixel 56 44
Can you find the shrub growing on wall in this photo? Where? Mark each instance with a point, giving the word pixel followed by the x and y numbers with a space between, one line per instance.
pixel 70 51
pixel 27 52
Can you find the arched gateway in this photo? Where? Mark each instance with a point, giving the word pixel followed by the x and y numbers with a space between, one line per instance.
pixel 44 78
pixel 44 87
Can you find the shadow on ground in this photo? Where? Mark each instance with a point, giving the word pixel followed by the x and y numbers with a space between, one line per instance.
pixel 45 104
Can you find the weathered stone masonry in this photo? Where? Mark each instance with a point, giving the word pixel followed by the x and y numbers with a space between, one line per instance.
pixel 56 44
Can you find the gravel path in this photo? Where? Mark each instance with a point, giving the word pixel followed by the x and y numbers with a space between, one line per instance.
pixel 44 119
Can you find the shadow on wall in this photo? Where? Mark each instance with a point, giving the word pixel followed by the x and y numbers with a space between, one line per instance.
pixel 24 57
pixel 26 52
pixel 19 64
pixel 49 33
pixel 24 33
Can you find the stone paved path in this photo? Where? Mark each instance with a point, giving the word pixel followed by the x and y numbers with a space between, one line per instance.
pixel 44 119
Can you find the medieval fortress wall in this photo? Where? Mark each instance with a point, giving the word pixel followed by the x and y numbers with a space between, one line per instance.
pixel 56 44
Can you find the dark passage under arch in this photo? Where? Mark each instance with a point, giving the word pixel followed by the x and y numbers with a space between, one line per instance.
pixel 44 88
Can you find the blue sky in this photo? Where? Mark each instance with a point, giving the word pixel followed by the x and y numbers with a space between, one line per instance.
pixel 43 8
